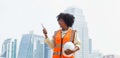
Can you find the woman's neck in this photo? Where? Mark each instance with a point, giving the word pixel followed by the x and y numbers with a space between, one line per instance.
pixel 64 29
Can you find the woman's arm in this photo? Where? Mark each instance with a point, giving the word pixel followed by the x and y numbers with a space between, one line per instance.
pixel 77 42
pixel 47 40
pixel 49 43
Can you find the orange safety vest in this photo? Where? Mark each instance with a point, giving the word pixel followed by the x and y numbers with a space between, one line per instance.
pixel 59 42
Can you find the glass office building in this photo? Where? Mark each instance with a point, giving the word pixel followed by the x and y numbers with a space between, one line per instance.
pixel 33 46
pixel 26 47
pixel 47 51
pixel 9 48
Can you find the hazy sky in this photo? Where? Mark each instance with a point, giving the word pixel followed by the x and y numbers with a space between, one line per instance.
pixel 18 17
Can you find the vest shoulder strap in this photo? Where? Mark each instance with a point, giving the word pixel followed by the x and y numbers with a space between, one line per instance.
pixel 73 35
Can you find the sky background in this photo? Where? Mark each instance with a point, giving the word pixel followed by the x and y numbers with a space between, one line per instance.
pixel 18 17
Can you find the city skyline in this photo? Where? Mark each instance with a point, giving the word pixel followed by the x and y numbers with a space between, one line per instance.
pixel 19 17
pixel 31 46
pixel 9 48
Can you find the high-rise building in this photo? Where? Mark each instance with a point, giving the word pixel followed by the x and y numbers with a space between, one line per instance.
pixel 80 25
pixel 13 50
pixel 38 46
pixel 47 51
pixel 26 46
pixel 4 47
pixel 9 48
pixel 33 46
pixel 90 46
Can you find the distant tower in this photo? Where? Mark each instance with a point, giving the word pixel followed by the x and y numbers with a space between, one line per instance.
pixel 47 51
pixel 33 46
pixel 13 50
pixel 90 46
pixel 9 48
pixel 26 46
pixel 81 26
pixel 38 51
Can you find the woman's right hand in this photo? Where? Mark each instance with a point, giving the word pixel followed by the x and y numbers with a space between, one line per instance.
pixel 45 33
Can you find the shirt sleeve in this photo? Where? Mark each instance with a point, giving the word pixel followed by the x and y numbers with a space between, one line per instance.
pixel 49 42
pixel 77 40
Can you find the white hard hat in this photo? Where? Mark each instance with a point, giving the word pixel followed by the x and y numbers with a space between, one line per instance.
pixel 68 45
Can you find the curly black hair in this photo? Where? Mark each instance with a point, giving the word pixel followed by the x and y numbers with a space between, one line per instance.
pixel 68 18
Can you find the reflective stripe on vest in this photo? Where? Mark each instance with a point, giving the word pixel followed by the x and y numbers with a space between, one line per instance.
pixel 56 53
pixel 72 36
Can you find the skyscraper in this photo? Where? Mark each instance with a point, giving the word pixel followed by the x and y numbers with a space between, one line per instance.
pixel 4 47
pixel 9 48
pixel 81 26
pixel 26 47
pixel 47 51
pixel 13 50
pixel 90 46
pixel 38 50
pixel 33 46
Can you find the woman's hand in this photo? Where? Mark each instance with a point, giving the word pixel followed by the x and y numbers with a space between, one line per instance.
pixel 44 32
pixel 68 51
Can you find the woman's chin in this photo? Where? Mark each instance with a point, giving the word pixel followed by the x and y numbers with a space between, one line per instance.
pixel 60 26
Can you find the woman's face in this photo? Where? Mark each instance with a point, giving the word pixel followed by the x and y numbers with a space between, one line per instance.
pixel 62 23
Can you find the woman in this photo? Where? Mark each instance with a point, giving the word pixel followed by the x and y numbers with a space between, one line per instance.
pixel 63 35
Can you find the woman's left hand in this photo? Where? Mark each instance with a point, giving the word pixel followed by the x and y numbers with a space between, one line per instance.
pixel 68 51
